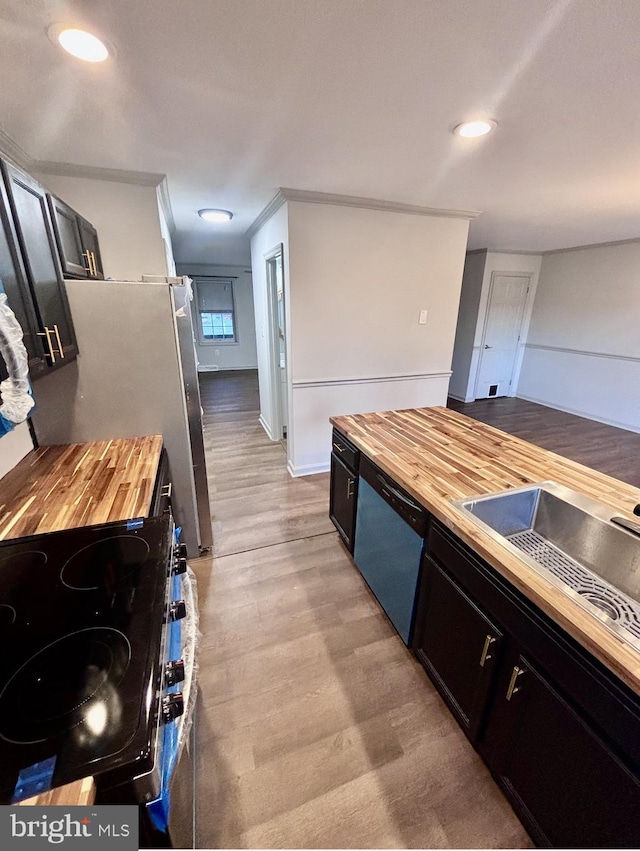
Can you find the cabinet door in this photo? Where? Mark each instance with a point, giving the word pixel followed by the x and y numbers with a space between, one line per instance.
pixel 342 507
pixel 39 254
pixel 67 232
pixel 458 645
pixel 91 248
pixel 14 283
pixel 567 786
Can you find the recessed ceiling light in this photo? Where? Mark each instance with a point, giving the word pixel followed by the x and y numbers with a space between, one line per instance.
pixel 80 43
pixel 472 129
pixel 215 215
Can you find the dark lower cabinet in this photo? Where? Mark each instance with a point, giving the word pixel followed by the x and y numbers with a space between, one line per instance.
pixel 559 732
pixel 459 646
pixel 343 496
pixel 569 788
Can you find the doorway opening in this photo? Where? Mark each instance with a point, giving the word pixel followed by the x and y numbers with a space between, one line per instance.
pixel 278 337
pixel 501 335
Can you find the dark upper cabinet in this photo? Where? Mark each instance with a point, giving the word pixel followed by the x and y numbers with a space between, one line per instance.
pixel 458 644
pixel 77 242
pixel 14 283
pixel 38 292
pixel 89 237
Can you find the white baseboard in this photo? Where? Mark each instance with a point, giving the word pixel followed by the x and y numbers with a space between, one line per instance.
pixel 307 469
pixel 585 414
pixel 264 425
pixel 456 397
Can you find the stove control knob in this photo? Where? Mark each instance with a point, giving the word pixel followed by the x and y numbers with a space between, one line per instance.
pixel 174 672
pixel 180 566
pixel 182 550
pixel 172 707
pixel 177 610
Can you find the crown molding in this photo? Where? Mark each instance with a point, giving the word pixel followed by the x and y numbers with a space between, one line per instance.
pixel 117 175
pixel 610 244
pixel 284 194
pixel 272 207
pixel 372 204
pixel 11 150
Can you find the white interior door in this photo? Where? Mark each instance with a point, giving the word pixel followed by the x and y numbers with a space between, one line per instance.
pixel 503 322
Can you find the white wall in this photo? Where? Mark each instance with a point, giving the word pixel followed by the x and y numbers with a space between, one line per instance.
pixel 239 355
pixel 14 445
pixel 358 279
pixel 274 231
pixel 583 349
pixel 472 279
pixel 126 217
pixel 466 359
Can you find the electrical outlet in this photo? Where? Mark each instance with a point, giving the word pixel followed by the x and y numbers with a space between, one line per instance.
pixel 422 320
pixel 216 351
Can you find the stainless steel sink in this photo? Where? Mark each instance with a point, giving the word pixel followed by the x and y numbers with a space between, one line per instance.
pixel 569 539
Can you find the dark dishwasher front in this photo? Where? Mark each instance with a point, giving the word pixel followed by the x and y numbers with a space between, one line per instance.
pixel 390 535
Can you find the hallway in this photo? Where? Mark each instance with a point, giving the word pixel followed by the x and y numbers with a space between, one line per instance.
pixel 317 727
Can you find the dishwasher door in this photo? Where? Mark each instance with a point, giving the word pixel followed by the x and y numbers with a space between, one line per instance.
pixel 390 532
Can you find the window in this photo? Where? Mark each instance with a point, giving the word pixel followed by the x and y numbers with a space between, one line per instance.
pixel 217 325
pixel 216 310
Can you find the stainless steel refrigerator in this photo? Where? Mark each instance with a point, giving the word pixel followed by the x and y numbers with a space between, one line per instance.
pixel 136 374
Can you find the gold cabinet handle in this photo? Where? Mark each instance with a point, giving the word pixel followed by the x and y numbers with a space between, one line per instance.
pixel 350 483
pixel 94 264
pixel 166 491
pixel 87 254
pixel 59 341
pixel 485 650
pixel 52 352
pixel 338 448
pixel 517 672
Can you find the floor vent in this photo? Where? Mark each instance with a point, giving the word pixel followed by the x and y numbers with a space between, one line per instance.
pixel 493 390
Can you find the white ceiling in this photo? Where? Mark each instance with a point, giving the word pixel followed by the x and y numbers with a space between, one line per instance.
pixel 233 98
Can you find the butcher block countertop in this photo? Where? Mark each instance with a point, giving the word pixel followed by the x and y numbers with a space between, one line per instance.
pixel 79 484
pixel 438 455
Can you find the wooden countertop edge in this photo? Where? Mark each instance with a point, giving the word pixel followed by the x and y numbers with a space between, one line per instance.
pixel 80 793
pixel 618 656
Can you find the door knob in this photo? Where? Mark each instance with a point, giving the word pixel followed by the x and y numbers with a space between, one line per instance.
pixel 488 347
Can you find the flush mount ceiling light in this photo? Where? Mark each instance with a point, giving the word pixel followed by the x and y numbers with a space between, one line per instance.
pixel 472 129
pixel 210 215
pixel 80 43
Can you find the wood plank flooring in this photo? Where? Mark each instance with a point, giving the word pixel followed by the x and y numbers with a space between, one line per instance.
pixel 317 728
pixel 606 448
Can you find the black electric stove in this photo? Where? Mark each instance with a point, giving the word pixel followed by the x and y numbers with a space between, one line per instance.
pixel 81 628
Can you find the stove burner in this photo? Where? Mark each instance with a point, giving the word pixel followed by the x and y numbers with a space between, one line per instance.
pixel 56 688
pixel 7 615
pixel 14 568
pixel 104 563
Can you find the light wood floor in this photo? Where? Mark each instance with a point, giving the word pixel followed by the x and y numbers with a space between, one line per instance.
pixel 317 727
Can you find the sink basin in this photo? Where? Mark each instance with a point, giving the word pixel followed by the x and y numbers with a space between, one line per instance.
pixel 568 537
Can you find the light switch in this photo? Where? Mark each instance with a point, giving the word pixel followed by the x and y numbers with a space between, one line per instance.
pixel 423 318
